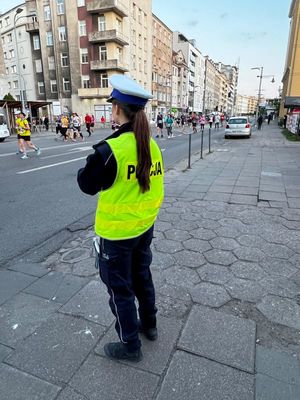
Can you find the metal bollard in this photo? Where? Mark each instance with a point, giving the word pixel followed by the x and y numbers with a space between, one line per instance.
pixel 209 140
pixel 190 149
pixel 201 153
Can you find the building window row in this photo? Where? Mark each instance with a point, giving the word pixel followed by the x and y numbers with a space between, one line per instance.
pixel 8 38
pixel 54 86
pixel 80 3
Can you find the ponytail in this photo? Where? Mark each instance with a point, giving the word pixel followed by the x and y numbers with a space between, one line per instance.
pixel 141 129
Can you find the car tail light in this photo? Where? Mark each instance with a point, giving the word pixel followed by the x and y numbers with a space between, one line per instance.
pixel 247 126
pixel 227 126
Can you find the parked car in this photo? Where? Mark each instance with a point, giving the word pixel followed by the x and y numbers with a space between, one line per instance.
pixel 4 132
pixel 238 126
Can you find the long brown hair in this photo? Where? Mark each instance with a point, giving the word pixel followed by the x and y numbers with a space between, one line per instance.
pixel 141 129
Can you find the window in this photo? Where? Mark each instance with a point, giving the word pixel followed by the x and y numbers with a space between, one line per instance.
pixel 85 81
pixel 12 53
pixel 119 54
pixel 84 56
pixel 80 3
pixel 101 23
pixel 3 39
pixel 15 84
pixel 82 28
pixel 5 55
pixel 13 69
pixel 66 85
pixel 53 86
pixel 49 38
pixel 47 13
pixel 9 38
pixel 102 53
pixel 60 6
pixel 64 59
pixel 51 63
pixel 1 24
pixel 7 70
pixel 41 87
pixel 9 85
pixel 103 80
pixel 119 25
pixel 7 21
pixel 38 66
pixel 62 34
pixel 36 42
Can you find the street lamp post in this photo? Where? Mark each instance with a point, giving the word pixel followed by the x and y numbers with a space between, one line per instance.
pixel 18 11
pixel 259 87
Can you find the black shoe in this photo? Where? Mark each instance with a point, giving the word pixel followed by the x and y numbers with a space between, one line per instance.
pixel 150 333
pixel 119 351
pixel 157 136
pixel 161 136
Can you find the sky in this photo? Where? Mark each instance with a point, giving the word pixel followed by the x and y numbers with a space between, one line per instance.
pixel 246 33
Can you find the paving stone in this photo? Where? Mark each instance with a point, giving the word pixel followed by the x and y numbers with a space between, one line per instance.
pixel 202 233
pixel 294 202
pixel 186 225
pixel 278 365
pixel 222 338
pixel 248 270
pixel 278 204
pixel 294 245
pixel 243 199
pixel 112 381
pixel 249 254
pixel 296 278
pixel 250 240
pixel 57 348
pixel 279 235
pixel 56 286
pixel 4 352
pixel 170 308
pixel 193 378
pixel 295 260
pixel 192 216
pixel 272 196
pixel 197 245
pixel 174 291
pixel 12 282
pixel 168 216
pixel 273 266
pixel 225 197
pixel 21 315
pixel 209 294
pixel 246 290
pixel 177 234
pixel 168 246
pixel 91 303
pixel 208 224
pixel 277 250
pixel 162 260
pixel 245 190
pixel 85 268
pixel 280 310
pixel 70 394
pixel 280 286
pixel 188 258
pixel 224 243
pixel 161 226
pixel 220 188
pixel 182 276
pixel 228 232
pixel 75 255
pixel 271 389
pixel 215 273
pixel 35 269
pixel 220 257
pixel 156 354
pixel 17 385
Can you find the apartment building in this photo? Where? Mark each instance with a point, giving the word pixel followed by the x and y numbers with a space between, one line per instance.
pixel 211 87
pixel 180 82
pixel 231 72
pixel 16 49
pixel 291 77
pixel 242 105
pixel 164 84
pixel 252 104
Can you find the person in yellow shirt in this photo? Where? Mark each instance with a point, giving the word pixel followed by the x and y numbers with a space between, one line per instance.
pixel 23 131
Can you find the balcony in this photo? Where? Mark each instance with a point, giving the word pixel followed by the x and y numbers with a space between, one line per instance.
pixel 99 65
pixel 90 93
pixel 108 36
pixel 103 6
pixel 32 26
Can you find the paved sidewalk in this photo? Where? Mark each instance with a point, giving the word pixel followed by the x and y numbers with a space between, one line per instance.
pixel 226 265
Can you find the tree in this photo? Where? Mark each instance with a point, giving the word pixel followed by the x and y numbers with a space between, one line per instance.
pixel 9 97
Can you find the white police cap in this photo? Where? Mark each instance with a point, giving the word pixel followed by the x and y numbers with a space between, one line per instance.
pixel 128 91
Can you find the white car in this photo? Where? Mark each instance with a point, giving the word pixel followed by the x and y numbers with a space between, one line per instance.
pixel 238 126
pixel 4 132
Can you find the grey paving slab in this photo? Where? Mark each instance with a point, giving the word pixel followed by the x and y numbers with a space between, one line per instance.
pixel 220 337
pixel 110 380
pixel 246 290
pixel 278 365
pixel 177 234
pixel 267 388
pixel 278 204
pixel 277 250
pixel 215 273
pixel 170 307
pixel 294 202
pixel 4 352
pixel 193 378
pixel 168 246
pixel 246 190
pixel 280 286
pixel 209 294
pixel 156 354
pixel 188 258
pixel 12 282
pixel 280 310
pixel 21 315
pixel 91 303
pixel 17 385
pixel 35 269
pixel 273 266
pixel 224 197
pixel 249 254
pixel 70 394
pixel 203 233
pixel 57 348
pixel 197 245
pixel 222 257
pixel 56 286
pixel 224 243
pixel 162 260
pixel 185 277
pixel 272 188
pixel 221 188
pixel 248 270
pixel 243 199
pixel 272 196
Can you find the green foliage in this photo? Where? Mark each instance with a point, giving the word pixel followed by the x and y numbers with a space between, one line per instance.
pixel 292 137
pixel 9 97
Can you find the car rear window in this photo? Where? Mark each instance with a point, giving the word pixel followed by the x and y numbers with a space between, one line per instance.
pixel 237 121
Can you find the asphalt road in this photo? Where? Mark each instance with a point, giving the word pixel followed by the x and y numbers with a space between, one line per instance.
pixel 39 196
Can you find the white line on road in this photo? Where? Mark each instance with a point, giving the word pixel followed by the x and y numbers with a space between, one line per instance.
pixel 69 152
pixel 50 165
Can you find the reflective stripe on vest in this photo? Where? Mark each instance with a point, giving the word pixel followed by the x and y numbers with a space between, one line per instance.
pixel 123 211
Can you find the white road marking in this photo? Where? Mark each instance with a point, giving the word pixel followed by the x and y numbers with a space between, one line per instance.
pixel 69 152
pixel 50 165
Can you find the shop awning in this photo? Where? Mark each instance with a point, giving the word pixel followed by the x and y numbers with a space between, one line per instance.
pixel 291 102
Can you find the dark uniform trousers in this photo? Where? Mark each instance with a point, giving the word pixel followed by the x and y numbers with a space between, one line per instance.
pixel 124 267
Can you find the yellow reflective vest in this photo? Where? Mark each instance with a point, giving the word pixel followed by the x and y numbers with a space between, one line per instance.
pixel 123 211
pixel 21 124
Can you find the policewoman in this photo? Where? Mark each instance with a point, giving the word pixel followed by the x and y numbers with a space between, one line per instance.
pixel 126 170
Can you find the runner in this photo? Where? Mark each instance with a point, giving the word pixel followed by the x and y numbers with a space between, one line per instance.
pixel 23 131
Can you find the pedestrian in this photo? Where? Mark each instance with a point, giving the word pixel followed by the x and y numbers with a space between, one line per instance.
pixel 102 120
pixel 194 123
pixel 64 126
pixel 182 118
pixel 211 120
pixel 88 121
pixel 92 123
pixel 259 122
pixel 284 120
pixel 217 121
pixel 127 170
pixel 76 126
pixel 159 125
pixel 169 124
pixel 202 122
pixel 58 124
pixel 269 118
pixel 24 139
pixel 46 123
